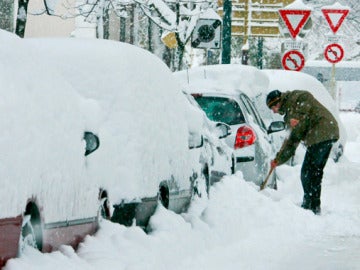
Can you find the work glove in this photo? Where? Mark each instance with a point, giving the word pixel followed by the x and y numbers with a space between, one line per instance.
pixel 273 164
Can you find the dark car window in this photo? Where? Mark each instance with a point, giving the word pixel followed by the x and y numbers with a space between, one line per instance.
pixel 221 109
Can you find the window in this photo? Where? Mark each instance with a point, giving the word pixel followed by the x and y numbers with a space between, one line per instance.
pixel 220 109
pixel 252 111
pixel 92 142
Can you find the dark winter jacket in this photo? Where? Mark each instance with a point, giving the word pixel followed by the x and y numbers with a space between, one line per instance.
pixel 316 123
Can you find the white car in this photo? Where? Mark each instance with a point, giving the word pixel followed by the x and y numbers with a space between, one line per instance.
pixel 226 101
pixel 91 129
pixel 215 151
pixel 207 154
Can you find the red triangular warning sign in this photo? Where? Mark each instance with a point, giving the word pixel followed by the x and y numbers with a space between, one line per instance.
pixel 294 19
pixel 335 17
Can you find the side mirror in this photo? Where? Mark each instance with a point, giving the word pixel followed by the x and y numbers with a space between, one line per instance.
pixel 92 142
pixel 276 127
pixel 222 130
pixel 196 140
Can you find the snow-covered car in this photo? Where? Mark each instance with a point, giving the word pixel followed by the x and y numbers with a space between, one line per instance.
pixel 226 101
pixel 205 149
pixel 91 129
pixel 216 153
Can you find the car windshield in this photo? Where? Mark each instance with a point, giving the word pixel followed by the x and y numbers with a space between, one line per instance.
pixel 220 109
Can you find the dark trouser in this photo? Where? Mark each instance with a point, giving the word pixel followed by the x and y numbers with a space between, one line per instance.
pixel 312 172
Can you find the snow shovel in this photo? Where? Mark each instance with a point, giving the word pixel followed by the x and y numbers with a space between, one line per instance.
pixel 263 184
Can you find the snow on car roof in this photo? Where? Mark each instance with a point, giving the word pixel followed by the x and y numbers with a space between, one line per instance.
pixel 225 78
pixel 285 80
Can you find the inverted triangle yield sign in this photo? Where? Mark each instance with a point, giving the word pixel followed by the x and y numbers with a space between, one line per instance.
pixel 294 19
pixel 335 17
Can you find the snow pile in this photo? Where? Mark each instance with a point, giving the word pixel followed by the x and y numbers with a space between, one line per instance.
pixel 238 228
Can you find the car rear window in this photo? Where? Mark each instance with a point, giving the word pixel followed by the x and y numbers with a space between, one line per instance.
pixel 220 109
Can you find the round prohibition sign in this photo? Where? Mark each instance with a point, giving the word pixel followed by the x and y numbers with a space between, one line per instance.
pixel 334 53
pixel 293 60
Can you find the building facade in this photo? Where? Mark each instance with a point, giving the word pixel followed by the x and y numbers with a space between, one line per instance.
pixel 255 17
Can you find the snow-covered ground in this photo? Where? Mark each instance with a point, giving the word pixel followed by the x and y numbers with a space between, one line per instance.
pixel 238 228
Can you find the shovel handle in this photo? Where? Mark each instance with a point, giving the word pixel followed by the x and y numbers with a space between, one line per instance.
pixel 263 184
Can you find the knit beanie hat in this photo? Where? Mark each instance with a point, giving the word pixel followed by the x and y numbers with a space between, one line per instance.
pixel 273 98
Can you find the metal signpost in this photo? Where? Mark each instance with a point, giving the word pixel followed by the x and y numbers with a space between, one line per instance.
pixel 334 52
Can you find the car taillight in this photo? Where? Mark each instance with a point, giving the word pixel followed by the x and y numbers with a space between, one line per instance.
pixel 245 136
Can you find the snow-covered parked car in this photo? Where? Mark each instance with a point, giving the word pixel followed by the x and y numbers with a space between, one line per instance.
pixel 227 101
pixel 216 152
pixel 209 157
pixel 91 129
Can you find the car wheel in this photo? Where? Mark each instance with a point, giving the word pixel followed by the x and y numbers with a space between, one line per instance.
pixel 31 233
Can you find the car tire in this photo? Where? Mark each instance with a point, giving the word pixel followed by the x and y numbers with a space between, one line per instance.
pixel 31 232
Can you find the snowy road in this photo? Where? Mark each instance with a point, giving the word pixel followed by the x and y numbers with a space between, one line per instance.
pixel 331 253
pixel 238 228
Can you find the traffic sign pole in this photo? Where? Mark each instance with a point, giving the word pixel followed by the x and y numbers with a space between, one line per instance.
pixel 333 83
pixel 334 53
